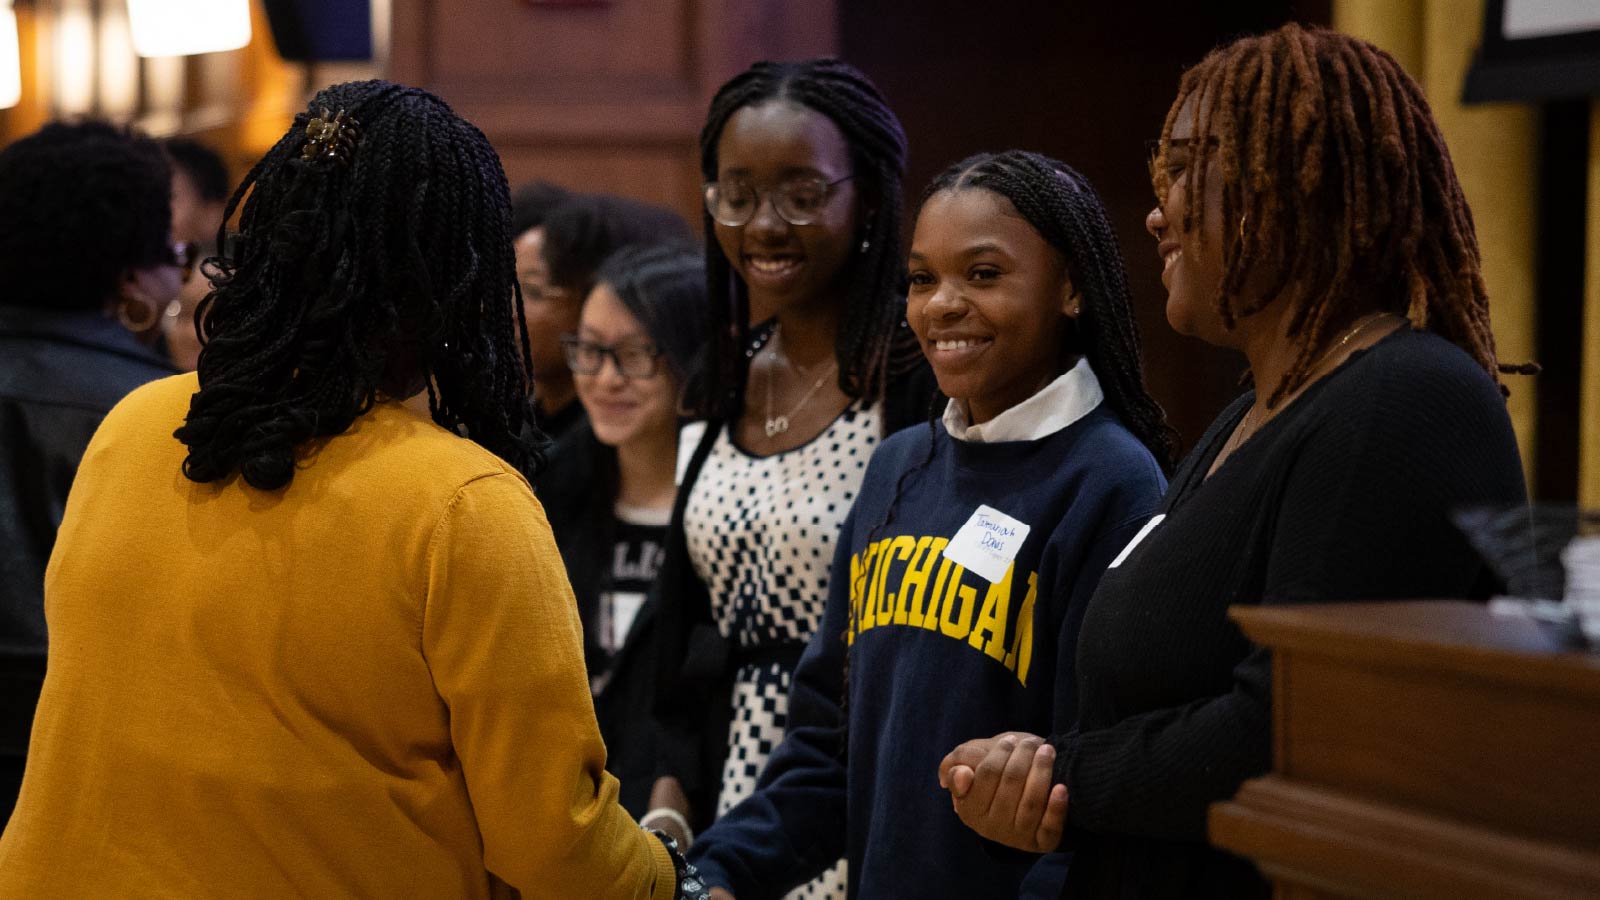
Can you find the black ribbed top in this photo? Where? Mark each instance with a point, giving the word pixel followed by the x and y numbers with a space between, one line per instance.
pixel 1344 495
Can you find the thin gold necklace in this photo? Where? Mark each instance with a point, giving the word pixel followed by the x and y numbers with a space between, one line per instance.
pixel 1248 426
pixel 776 425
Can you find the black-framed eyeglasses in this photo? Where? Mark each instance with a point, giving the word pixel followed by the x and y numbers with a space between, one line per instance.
pixel 632 360
pixel 1152 148
pixel 798 201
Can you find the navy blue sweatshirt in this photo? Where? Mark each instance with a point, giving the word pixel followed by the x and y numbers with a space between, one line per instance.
pixel 937 655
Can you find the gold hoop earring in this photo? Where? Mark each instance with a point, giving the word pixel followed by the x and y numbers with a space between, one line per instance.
pixel 1243 220
pixel 136 315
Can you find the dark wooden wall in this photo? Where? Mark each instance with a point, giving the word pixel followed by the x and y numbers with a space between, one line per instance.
pixel 599 95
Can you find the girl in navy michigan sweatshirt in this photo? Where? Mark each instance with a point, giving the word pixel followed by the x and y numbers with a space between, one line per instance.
pixel 963 569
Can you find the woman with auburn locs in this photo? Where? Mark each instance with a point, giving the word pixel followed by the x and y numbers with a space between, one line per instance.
pixel 1309 217
pixel 610 487
pixel 326 681
pixel 810 364
pixel 963 570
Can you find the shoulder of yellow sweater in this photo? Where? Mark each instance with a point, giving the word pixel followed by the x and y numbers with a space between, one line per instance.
pixel 410 449
pixel 422 448
pixel 173 389
pixel 163 400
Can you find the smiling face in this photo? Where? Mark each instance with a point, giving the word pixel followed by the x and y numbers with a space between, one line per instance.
pixel 1192 265
pixel 989 300
pixel 624 410
pixel 767 146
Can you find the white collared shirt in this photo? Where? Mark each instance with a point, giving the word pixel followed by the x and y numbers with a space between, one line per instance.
pixel 1073 395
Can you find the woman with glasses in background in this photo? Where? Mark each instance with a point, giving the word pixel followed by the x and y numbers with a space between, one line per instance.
pixel 557 264
pixel 609 489
pixel 810 366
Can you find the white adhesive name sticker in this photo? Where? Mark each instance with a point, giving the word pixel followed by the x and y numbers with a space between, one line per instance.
pixel 1143 533
pixel 988 543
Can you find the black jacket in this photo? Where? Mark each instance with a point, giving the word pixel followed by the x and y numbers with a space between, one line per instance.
pixel 60 373
pixel 578 488
pixel 695 665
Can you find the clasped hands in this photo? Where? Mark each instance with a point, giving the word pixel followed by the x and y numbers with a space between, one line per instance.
pixel 1003 788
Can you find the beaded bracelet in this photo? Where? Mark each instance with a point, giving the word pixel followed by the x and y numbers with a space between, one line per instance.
pixel 690 887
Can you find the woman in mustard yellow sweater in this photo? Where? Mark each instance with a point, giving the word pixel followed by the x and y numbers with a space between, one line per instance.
pixel 304 642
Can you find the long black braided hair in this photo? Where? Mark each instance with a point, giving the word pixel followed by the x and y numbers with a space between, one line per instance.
pixel 873 343
pixel 368 273
pixel 1066 211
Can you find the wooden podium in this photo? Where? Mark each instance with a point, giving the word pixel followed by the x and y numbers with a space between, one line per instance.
pixel 1427 750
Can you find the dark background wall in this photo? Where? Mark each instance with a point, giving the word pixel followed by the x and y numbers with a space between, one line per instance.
pixel 1085 82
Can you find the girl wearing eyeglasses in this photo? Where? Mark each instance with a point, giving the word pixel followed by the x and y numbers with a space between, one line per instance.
pixel 810 366
pixel 609 489
pixel 965 567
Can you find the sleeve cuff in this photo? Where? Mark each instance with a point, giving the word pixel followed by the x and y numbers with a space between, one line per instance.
pixel 666 882
pixel 1066 756
pixel 713 875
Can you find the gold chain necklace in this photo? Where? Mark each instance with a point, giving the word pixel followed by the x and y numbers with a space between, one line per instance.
pixel 1248 425
pixel 776 425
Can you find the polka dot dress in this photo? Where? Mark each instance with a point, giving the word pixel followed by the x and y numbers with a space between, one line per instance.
pixel 761 533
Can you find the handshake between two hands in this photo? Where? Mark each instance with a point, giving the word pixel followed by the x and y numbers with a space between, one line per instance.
pixel 1003 788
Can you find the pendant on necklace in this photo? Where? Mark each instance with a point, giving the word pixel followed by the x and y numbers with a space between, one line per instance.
pixel 777 426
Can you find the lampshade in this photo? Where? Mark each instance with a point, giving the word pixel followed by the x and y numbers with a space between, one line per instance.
pixel 186 27
pixel 10 59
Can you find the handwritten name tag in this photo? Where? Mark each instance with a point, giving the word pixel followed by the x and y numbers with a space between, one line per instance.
pixel 988 543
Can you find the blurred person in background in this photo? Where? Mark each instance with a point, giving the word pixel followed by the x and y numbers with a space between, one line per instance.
pixel 531 205
pixel 86 265
pixel 577 235
pixel 609 488
pixel 200 189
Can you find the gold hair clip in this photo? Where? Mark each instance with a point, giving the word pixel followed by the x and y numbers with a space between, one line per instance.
pixel 330 136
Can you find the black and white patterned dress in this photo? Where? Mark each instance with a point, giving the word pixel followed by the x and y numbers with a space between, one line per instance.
pixel 761 533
